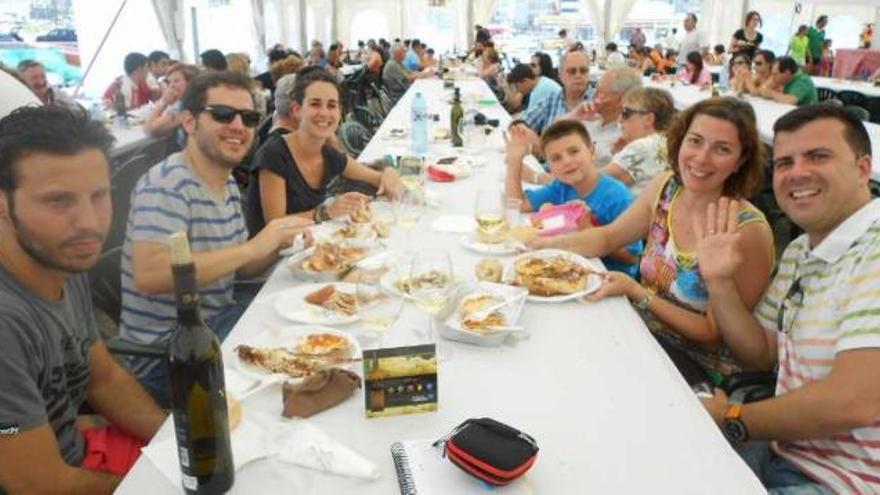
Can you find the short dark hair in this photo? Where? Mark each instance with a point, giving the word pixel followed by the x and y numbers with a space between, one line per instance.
pixel 747 179
pixel 611 47
pixel 312 74
pixel 277 54
pixel 822 18
pixel 693 16
pixel 196 95
pixel 768 55
pixel 562 128
pixel 718 49
pixel 787 64
pixel 214 59
pixel 55 129
pixel 134 61
pixel 27 64
pixel 519 73
pixel 157 56
pixel 855 133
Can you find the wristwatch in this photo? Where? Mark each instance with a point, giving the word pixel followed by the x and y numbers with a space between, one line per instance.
pixel 734 427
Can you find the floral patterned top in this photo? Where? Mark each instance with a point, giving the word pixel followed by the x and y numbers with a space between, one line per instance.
pixel 674 275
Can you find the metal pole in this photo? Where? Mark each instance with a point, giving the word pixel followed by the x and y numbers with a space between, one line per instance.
pixel 100 46
pixel 303 37
pixel 195 30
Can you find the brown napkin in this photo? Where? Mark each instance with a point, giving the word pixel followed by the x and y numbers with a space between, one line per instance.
pixel 318 392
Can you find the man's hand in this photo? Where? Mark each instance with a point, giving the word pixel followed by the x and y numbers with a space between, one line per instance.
pixel 346 204
pixel 278 234
pixel 717 240
pixel 390 184
pixel 716 405
pixel 586 111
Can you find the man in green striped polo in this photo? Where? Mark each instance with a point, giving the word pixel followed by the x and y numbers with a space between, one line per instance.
pixel 819 321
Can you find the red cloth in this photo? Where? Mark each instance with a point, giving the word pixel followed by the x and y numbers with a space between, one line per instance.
pixel 110 450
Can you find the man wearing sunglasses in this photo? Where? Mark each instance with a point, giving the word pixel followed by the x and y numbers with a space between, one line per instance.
pixel 193 191
pixel 819 321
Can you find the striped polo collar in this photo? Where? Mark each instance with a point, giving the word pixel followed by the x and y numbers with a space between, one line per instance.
pixel 844 235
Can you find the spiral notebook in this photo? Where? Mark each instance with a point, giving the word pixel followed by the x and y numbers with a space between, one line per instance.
pixel 422 470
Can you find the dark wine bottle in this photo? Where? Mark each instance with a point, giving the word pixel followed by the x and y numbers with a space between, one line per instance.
pixel 198 389
pixel 455 116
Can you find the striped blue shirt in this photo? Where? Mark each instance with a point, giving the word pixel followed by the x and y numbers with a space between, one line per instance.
pixel 549 109
pixel 171 198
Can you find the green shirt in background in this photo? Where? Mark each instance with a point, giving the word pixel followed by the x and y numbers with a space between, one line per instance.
pixel 802 88
pixel 817 39
pixel 797 48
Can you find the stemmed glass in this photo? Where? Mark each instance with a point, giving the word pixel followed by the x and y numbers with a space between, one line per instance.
pixel 410 207
pixel 378 307
pixel 489 212
pixel 432 286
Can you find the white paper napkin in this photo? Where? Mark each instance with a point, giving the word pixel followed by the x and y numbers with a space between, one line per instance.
pixel 304 444
pixel 247 446
pixel 454 224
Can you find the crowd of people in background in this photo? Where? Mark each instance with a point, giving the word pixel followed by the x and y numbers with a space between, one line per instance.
pixel 668 195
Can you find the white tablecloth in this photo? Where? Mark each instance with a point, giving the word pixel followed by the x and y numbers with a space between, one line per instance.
pixel 608 409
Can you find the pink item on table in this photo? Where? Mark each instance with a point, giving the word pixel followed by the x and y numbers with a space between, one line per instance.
pixel 560 219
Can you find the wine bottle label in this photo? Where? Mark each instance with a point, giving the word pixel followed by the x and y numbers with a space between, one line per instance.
pixel 190 482
pixel 184 457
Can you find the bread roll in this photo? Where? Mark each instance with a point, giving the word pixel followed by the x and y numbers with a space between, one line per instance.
pixel 489 270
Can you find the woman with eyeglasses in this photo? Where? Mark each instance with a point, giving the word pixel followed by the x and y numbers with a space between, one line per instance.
pixel 754 82
pixel 291 172
pixel 644 118
pixel 739 70
pixel 717 159
pixel 748 39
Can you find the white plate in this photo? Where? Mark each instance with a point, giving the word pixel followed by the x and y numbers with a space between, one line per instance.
pixel 291 304
pixel 327 231
pixel 515 297
pixel 288 336
pixel 506 247
pixel 593 281
pixel 295 262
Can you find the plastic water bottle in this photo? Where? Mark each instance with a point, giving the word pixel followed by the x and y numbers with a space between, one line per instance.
pixel 419 124
pixel 724 79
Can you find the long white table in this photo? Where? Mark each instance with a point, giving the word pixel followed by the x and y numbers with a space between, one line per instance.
pixel 607 407
pixel 767 113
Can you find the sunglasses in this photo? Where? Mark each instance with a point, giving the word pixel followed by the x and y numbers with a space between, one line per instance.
pixel 577 70
pixel 789 306
pixel 627 112
pixel 225 114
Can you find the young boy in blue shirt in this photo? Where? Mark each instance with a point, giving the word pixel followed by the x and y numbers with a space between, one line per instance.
pixel 569 151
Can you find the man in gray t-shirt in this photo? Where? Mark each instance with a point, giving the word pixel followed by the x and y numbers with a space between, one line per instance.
pixel 54 215
pixel 396 78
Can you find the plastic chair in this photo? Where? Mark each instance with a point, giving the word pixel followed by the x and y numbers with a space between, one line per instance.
pixel 826 94
pixel 860 112
pixel 367 118
pixel 354 137
pixel 852 98
pixel 122 181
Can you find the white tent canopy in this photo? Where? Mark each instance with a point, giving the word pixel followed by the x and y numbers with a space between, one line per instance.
pixel 185 27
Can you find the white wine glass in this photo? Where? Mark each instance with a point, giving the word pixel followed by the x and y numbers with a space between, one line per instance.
pixel 409 209
pixel 432 287
pixel 489 212
pixel 378 307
